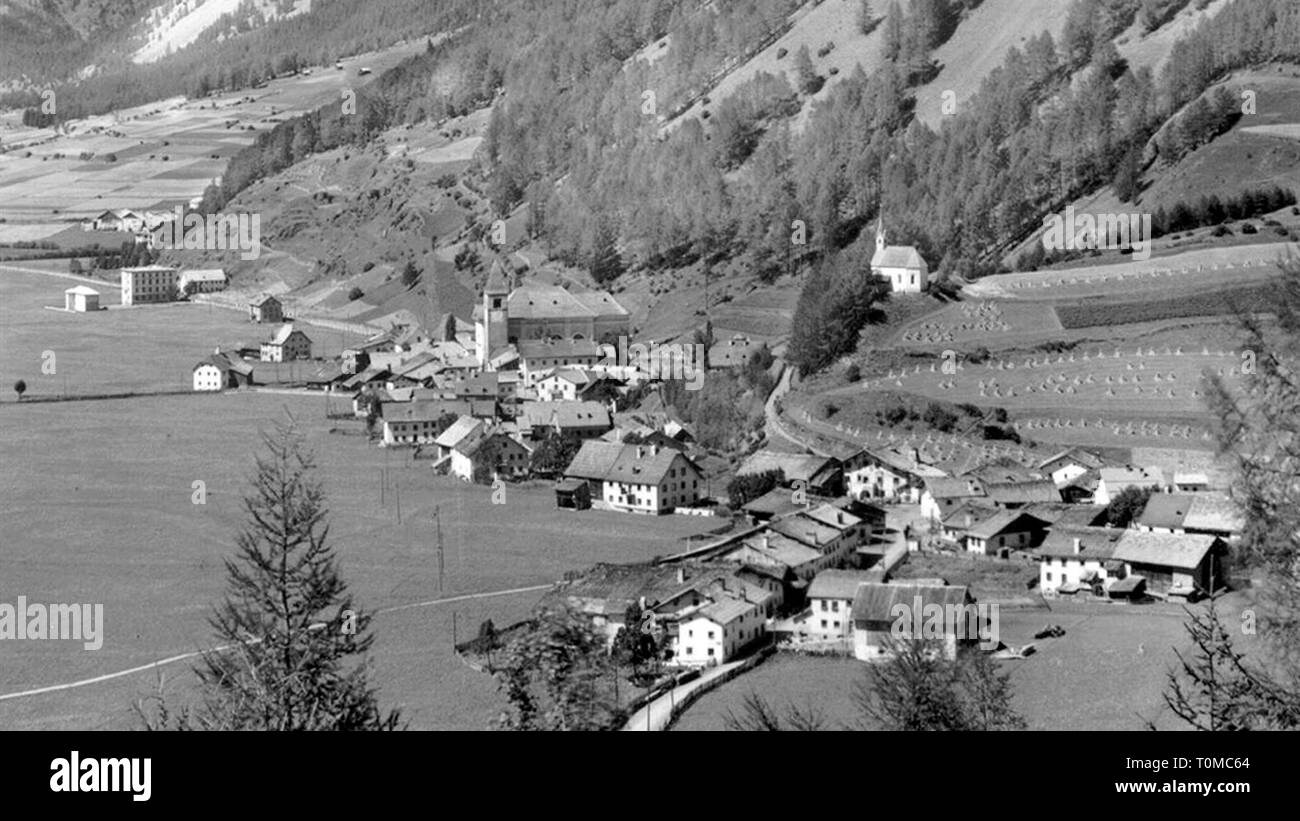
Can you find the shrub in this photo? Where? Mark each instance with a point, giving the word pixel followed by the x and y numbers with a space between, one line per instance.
pixel 355 294
pixel 852 373
pixel 1249 228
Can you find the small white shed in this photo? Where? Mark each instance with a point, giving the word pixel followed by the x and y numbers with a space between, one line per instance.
pixel 81 299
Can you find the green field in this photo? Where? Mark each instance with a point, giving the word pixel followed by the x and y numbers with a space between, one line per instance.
pixel 96 505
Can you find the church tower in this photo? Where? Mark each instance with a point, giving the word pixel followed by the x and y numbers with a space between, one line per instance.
pixel 496 315
pixel 880 234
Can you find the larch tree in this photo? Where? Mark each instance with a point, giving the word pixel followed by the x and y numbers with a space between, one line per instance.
pixel 293 650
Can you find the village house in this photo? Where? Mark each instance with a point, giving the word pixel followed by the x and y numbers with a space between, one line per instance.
pixel 884 473
pixel 488 457
pixel 540 356
pixel 221 371
pixel 288 344
pixel 771 550
pixel 1212 514
pixel 122 219
pixel 1182 566
pixel 81 299
pixel 1068 465
pixel 586 420
pixel 901 265
pixel 819 475
pixel 877 607
pixel 830 597
pixel 414 423
pixel 718 632
pixel 1114 481
pixel 830 530
pixel 567 385
pixel 1076 558
pixel 202 281
pixel 944 495
pixel 637 478
pixel 985 531
pixel 266 309
pixel 151 283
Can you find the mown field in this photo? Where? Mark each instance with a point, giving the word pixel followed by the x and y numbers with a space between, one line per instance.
pixel 97 506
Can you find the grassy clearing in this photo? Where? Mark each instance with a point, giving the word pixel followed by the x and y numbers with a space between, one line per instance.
pixel 99 500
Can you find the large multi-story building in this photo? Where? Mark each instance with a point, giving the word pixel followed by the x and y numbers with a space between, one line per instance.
pixel 153 283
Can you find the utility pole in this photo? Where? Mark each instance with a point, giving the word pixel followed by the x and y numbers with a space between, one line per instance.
pixel 437 518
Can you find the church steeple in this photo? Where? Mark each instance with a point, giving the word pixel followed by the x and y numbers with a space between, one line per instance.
pixel 880 233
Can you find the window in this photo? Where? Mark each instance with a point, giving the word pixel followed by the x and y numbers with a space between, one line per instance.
pixel 1049 577
pixel 823 605
pixel 835 605
pixel 710 651
pixel 710 634
pixel 823 624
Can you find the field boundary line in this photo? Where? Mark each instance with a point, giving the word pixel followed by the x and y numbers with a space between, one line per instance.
pixel 51 688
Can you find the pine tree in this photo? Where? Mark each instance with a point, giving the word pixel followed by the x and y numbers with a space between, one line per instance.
pixel 293 649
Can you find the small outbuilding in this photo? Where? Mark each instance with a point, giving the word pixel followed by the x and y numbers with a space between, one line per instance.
pixel 81 299
pixel 572 494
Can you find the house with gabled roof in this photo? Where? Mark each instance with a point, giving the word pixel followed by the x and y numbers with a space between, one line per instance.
pixel 986 530
pixel 1185 565
pixel 586 420
pixel 881 616
pixel 637 478
pixel 830 597
pixel 288 344
pixel 1074 558
pixel 1069 464
pixel 266 308
pixel 820 475
pixel 1115 481
pixel 1212 514
pixel 885 473
pixel 221 371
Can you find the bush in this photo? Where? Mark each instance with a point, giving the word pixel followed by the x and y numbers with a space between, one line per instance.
pixel 939 418
pixel 852 373
pixel 1249 228
pixel 781 52
pixel 978 356
pixel 355 294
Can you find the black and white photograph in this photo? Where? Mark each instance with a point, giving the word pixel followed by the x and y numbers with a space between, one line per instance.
pixel 651 365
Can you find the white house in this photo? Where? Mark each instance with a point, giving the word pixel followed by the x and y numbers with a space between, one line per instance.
pixel 1078 557
pixel 564 385
pixel 830 597
pixel 202 281
pixel 1070 464
pixel 221 371
pixel 902 265
pixel 887 474
pixel 488 457
pixel 637 478
pixel 718 631
pixel 288 344
pixel 81 299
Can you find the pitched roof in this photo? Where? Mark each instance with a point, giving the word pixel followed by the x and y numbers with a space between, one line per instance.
pixel 1166 510
pixel 1185 551
pixel 806 530
pixel 1043 490
pixel 839 584
pixel 594 459
pixel 1079 456
pixel 575 414
pixel 83 290
pixel 430 410
pixel 875 600
pixel 778 549
pixel 897 256
pixel 642 465
pixel 726 610
pixel 537 301
pixel 600 303
pixel 1214 511
pixel 464 428
pixel 1131 476
pixel 1095 543
pixel 1005 521
pixel 547 348
pixel 798 467
pixel 282 335
pixel 955 487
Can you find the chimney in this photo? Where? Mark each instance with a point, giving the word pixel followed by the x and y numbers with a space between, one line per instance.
pixel 970 520
pixel 681 575
pixel 839 517
pixel 1078 545
pixel 640 452
pixel 812 536
pixel 764 541
pixel 654 449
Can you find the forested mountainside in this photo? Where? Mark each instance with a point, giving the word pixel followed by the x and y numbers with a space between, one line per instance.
pixel 228 55
pixel 608 187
